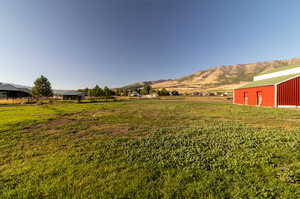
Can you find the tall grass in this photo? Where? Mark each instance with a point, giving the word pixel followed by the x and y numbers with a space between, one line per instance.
pixel 16 101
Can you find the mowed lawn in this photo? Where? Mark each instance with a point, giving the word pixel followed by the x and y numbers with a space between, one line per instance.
pixel 171 148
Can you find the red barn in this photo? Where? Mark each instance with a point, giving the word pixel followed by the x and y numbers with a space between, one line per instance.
pixel 277 88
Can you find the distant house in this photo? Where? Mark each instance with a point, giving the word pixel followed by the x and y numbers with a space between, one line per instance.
pixel 153 95
pixel 13 91
pixel 135 94
pixel 72 95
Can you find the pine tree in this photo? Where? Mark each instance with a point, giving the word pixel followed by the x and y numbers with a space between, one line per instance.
pixel 86 91
pixel 91 93
pixel 42 87
pixel 97 91
pixel 107 91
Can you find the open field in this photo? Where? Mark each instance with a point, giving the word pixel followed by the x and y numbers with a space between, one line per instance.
pixel 168 148
pixel 22 101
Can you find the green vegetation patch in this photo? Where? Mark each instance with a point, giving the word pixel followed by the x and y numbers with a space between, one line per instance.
pixel 154 149
pixel 20 117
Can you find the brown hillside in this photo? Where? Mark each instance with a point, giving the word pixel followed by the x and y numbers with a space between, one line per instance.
pixel 222 77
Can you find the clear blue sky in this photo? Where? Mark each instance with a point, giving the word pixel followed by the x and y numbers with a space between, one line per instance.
pixel 77 43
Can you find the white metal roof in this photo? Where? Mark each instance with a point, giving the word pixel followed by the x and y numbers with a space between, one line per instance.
pixel 10 87
pixel 295 70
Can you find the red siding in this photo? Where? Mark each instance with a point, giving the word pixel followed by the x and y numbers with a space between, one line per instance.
pixel 289 92
pixel 267 93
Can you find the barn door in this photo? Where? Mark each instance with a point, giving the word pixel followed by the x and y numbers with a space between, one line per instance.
pixel 246 98
pixel 259 98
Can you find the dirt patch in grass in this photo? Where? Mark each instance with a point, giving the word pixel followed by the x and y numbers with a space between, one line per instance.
pixel 112 129
pixel 51 132
pixel 105 131
pixel 207 99
pixel 293 119
pixel 52 123
pixel 59 122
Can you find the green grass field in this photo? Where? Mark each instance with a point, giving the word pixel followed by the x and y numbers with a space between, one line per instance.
pixel 171 148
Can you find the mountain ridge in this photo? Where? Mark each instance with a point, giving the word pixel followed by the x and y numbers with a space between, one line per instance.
pixel 223 78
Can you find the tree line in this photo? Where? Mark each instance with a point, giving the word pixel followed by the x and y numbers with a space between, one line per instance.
pixel 97 91
pixel 42 88
pixel 146 90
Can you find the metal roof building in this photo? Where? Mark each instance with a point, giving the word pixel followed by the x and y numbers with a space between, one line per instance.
pixel 13 91
pixel 275 88
pixel 72 95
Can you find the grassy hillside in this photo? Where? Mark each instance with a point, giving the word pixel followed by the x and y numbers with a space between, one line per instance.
pixel 171 148
pixel 222 77
pixel 142 84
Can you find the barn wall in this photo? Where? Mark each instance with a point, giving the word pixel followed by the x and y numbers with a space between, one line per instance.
pixel 267 95
pixel 13 94
pixel 71 97
pixel 289 92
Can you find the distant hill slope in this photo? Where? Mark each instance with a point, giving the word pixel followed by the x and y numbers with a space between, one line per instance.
pixel 142 84
pixel 222 77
